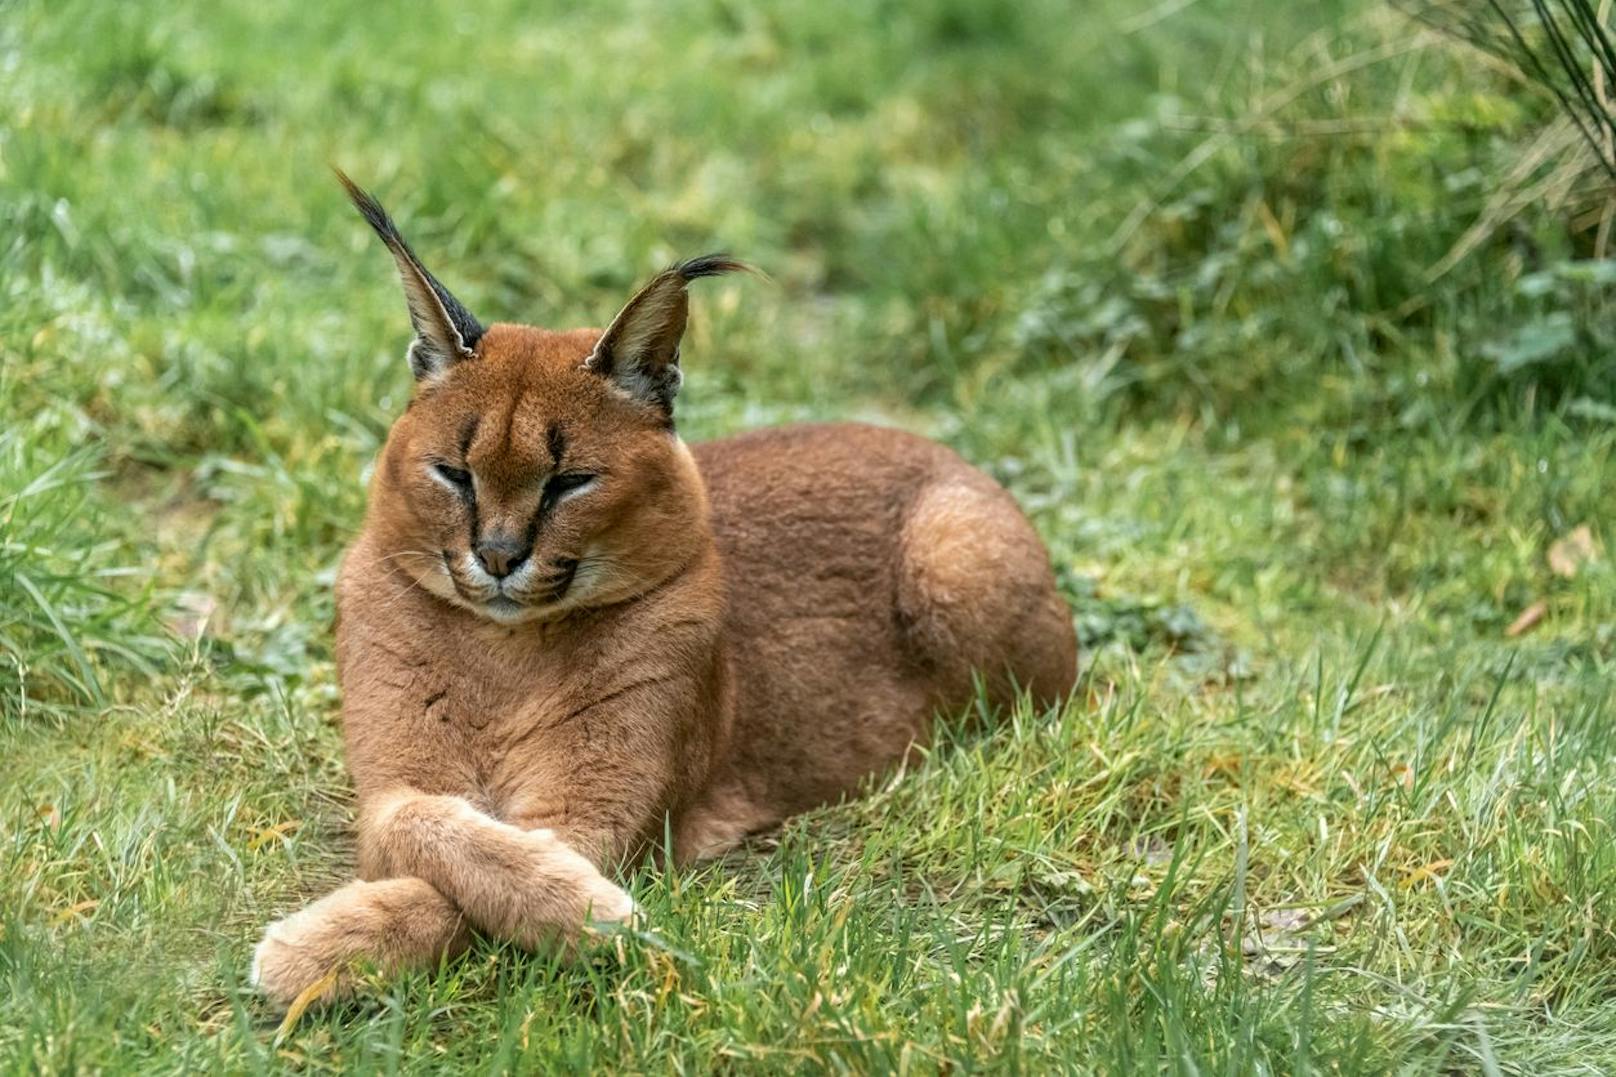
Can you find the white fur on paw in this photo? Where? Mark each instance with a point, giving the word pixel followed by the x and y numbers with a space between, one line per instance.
pixel 281 968
pixel 610 904
pixel 274 969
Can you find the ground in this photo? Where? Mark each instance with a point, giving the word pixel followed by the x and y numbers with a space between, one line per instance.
pixel 1326 470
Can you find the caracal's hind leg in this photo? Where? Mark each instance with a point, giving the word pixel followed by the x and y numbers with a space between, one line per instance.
pixel 391 924
pixel 976 595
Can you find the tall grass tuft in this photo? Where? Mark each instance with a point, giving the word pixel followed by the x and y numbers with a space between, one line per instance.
pixel 1564 49
pixel 62 618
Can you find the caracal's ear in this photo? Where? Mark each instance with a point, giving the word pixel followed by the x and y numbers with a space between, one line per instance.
pixel 639 351
pixel 445 331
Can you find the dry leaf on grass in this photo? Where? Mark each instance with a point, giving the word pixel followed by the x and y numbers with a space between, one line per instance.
pixel 73 912
pixel 192 612
pixel 1150 848
pixel 1403 775
pixel 1424 872
pixel 1528 619
pixel 1569 552
pixel 1283 936
pixel 267 834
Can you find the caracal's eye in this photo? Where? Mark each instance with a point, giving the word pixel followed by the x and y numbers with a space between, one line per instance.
pixel 457 477
pixel 563 484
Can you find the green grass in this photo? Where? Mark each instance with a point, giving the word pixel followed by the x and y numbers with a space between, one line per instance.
pixel 1163 270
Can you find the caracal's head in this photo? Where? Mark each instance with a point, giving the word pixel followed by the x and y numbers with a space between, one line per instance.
pixel 537 472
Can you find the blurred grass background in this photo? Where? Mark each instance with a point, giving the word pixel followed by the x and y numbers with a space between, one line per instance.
pixel 1289 323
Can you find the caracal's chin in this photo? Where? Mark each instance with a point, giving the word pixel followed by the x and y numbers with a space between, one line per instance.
pixel 508 611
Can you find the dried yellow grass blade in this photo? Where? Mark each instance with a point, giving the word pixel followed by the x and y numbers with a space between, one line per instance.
pixel 304 1000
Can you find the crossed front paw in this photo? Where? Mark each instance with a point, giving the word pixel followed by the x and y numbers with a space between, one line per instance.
pixel 553 895
pixel 388 923
pixel 295 955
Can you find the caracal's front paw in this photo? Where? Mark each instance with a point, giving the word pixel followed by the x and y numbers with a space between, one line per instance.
pixel 609 904
pixel 296 954
pixel 389 923
pixel 561 894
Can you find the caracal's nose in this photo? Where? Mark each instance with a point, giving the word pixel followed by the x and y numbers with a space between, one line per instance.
pixel 501 556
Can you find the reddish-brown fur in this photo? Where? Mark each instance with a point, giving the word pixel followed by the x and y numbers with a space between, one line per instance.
pixel 752 628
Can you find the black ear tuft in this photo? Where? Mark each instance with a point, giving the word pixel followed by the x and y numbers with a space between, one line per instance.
pixel 445 331
pixel 712 265
pixel 639 351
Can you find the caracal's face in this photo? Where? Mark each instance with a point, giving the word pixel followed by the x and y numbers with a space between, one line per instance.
pixel 520 485
pixel 535 472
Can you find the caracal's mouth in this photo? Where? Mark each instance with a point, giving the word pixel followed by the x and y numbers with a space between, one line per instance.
pixel 503 608
pixel 508 609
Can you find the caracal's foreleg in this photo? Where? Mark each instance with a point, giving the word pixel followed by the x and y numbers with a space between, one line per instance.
pixel 444 867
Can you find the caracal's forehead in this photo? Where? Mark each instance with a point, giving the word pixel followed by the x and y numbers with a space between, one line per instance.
pixel 527 350
pixel 520 375
pixel 525 404
pixel 520 361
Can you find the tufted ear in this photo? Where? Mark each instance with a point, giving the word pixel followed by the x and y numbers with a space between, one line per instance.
pixel 639 352
pixel 445 332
